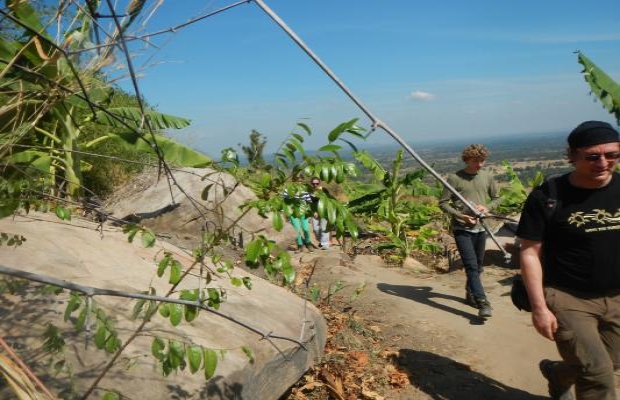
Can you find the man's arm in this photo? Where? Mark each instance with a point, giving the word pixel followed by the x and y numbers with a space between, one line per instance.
pixel 531 269
pixel 493 194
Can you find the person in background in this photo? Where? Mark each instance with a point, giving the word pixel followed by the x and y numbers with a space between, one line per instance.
pixel 319 225
pixel 301 223
pixel 570 263
pixel 479 188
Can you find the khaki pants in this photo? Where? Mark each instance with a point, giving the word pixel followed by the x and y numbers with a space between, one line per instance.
pixel 588 339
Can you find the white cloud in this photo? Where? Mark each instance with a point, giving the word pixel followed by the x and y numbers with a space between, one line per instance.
pixel 422 96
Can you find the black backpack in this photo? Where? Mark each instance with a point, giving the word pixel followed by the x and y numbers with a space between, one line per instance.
pixel 518 292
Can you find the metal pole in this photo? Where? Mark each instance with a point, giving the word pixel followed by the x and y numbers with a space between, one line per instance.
pixel 376 123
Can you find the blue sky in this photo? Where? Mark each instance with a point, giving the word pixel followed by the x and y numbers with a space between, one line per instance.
pixel 430 70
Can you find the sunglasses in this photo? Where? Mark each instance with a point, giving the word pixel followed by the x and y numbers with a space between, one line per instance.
pixel 609 156
pixel 316 183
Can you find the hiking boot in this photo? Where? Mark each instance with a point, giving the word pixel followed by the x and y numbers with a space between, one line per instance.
pixel 310 247
pixel 558 390
pixel 470 300
pixel 484 308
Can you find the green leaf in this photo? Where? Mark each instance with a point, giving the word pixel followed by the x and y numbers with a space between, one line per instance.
pixel 175 354
pixel 148 238
pixel 111 396
pixel 371 163
pixel 348 126
pixel 176 314
pixel 123 117
pixel 112 344
pixel 191 312
pixel 248 352
pixel 288 272
pixel 163 264
pixel 81 319
pixel 194 356
pixel 236 281
pixel 100 337
pixel 330 147
pixel 324 173
pixel 247 282
pixel 37 159
pixel 253 251
pixel 278 222
pixel 157 349
pixel 305 128
pixel 602 85
pixel 321 207
pixel 331 212
pixel 28 16
pixel 63 213
pixel 137 308
pixel 175 273
pixel 210 363
pixel 132 234
pixel 73 305
pixel 164 310
pixel 173 152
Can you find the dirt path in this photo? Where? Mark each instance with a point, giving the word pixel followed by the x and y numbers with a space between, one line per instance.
pixel 447 351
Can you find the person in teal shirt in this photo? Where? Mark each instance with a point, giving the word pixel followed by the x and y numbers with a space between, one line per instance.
pixel 301 223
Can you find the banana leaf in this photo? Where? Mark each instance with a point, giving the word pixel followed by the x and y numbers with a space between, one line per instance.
pixel 131 117
pixel 173 152
pixel 602 85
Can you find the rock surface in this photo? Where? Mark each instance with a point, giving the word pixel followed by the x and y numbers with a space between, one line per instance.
pixel 175 208
pixel 77 252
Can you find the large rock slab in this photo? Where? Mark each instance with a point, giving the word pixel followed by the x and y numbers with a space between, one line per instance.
pixel 175 206
pixel 77 252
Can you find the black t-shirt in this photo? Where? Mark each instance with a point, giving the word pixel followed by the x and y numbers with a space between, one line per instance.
pixel 581 238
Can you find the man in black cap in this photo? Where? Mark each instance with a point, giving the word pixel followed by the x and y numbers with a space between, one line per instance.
pixel 570 262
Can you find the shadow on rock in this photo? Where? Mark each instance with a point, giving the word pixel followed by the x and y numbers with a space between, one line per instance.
pixel 443 378
pixel 425 295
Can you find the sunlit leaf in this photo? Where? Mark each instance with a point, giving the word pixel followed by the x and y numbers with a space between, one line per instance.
pixel 249 354
pixel 148 238
pixel 210 363
pixel 157 348
pixel 176 314
pixel 194 356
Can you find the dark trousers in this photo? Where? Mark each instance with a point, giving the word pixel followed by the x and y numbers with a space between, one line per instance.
pixel 471 249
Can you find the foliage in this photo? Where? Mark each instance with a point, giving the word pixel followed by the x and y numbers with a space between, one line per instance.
pixel 602 85
pixel 254 151
pixel 274 260
pixel 292 164
pixel 401 209
pixel 513 195
pixel 58 104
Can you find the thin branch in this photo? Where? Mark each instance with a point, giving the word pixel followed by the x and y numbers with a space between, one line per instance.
pixel 167 30
pixel 93 291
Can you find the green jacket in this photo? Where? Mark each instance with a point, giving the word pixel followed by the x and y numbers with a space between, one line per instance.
pixel 478 188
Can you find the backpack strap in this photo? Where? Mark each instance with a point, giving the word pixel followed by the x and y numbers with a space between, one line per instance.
pixel 551 202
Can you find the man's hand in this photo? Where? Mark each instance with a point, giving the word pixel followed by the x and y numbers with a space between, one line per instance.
pixel 469 219
pixel 481 208
pixel 545 322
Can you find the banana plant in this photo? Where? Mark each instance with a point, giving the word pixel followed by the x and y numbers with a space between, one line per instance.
pixel 391 204
pixel 54 91
pixel 602 85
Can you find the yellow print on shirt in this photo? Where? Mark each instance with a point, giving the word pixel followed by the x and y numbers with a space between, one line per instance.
pixel 605 219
